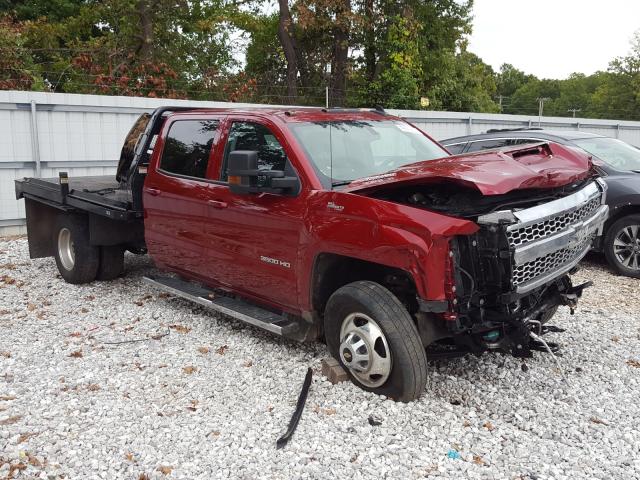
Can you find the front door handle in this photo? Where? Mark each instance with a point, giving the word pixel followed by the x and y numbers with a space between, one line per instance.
pixel 153 191
pixel 217 204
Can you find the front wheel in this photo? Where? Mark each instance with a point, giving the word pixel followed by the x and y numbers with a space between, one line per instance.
pixel 375 339
pixel 622 246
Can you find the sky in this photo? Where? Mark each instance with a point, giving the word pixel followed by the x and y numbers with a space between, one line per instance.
pixel 553 38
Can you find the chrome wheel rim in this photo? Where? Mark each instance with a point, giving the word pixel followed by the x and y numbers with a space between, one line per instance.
pixel 364 350
pixel 66 252
pixel 626 247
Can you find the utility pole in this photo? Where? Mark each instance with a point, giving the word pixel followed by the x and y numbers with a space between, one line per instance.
pixel 574 110
pixel 541 101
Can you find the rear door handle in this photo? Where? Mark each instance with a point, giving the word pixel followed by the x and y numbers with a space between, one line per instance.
pixel 153 191
pixel 217 204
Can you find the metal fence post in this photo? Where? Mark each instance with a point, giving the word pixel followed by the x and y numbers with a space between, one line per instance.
pixel 35 140
pixel 470 126
pixel 618 131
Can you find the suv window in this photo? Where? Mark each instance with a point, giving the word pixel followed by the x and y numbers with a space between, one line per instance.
pixel 486 145
pixel 456 148
pixel 256 137
pixel 187 147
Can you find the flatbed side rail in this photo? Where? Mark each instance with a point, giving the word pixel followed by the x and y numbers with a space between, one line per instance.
pixel 54 195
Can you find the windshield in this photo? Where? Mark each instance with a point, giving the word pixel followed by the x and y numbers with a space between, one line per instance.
pixel 618 154
pixel 345 150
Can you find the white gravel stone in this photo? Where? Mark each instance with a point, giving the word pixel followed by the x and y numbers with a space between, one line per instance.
pixel 75 407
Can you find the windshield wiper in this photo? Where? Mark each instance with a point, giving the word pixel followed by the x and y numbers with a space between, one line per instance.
pixel 341 184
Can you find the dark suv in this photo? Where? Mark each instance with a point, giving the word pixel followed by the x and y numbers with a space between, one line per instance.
pixel 619 164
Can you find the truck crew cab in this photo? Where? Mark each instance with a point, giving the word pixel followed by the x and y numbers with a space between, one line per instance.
pixel 350 226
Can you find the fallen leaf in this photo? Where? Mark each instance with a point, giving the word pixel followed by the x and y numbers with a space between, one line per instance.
pixel 615 339
pixel 26 436
pixel 164 295
pixel 75 334
pixel 478 460
pixel 93 387
pixel 90 297
pixel 8 280
pixel 164 469
pixel 143 476
pixel 633 363
pixel 84 310
pixel 31 307
pixel 248 363
pixel 41 315
pixel 466 423
pixel 180 328
pixel 598 421
pixel 129 456
pixel 6 398
pixel 8 266
pixel 215 433
pixel 203 350
pixel 189 370
pixel 11 420
pixel 489 426
pixel 329 411
pixel 33 460
pixel 222 349
pixel 270 408
pixel 76 354
pixel 4 312
pixel 6 354
pixel 139 303
pixel 14 467
pixel 147 297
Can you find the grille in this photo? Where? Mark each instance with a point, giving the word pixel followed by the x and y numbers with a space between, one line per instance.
pixel 553 225
pixel 553 261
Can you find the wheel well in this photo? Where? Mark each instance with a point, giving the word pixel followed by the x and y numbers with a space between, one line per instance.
pixel 619 213
pixel 333 271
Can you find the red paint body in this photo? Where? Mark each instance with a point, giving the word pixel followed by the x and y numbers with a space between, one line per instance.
pixel 204 232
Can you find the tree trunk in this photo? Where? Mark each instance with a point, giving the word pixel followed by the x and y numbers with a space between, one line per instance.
pixel 290 48
pixel 369 42
pixel 146 38
pixel 338 87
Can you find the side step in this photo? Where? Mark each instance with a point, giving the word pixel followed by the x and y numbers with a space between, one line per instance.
pixel 232 307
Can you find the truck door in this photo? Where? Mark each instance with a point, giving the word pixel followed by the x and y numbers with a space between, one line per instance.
pixel 175 193
pixel 253 240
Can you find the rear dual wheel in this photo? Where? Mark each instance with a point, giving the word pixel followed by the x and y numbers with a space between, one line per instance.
pixel 374 338
pixel 78 261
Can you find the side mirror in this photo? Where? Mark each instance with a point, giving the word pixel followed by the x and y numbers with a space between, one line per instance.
pixel 244 177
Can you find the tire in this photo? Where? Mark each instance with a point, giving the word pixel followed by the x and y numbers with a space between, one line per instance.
pixel 368 302
pixel 76 258
pixel 111 263
pixel 619 234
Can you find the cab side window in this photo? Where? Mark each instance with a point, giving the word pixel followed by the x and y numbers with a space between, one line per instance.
pixel 256 137
pixel 187 147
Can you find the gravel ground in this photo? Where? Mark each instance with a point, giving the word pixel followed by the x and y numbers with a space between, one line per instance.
pixel 206 397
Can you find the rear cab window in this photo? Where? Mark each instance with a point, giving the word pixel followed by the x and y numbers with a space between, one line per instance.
pixel 188 146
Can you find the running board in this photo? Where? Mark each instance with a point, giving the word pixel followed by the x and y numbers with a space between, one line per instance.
pixel 232 307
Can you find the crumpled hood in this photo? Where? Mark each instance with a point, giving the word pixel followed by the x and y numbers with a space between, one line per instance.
pixel 545 165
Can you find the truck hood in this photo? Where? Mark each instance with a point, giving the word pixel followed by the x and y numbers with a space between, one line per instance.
pixel 546 165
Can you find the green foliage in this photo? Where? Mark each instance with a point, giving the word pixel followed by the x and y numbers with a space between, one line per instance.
pixel 369 52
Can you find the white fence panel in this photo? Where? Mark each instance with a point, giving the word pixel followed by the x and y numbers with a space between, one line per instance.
pixel 83 134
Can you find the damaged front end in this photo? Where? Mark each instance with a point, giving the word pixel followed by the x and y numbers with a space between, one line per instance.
pixel 510 277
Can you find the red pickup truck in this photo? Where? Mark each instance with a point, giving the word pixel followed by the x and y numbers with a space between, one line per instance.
pixel 350 226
